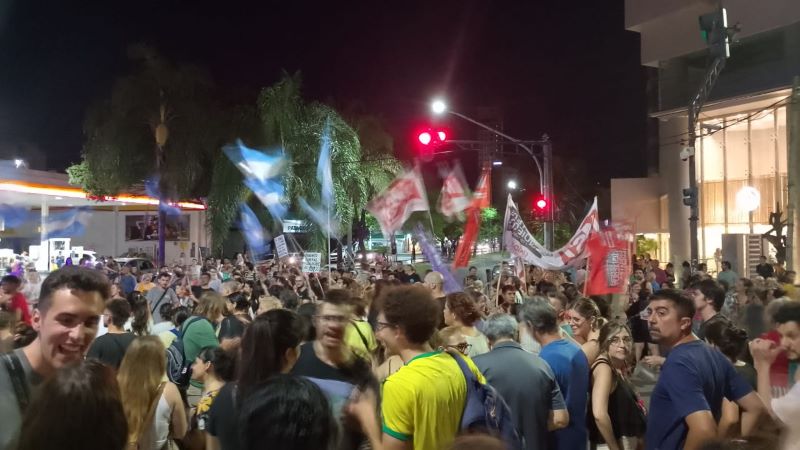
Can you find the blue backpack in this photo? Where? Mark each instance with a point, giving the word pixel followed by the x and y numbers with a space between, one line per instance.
pixel 485 410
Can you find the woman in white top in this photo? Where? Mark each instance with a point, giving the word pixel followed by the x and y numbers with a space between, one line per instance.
pixel 461 310
pixel 153 407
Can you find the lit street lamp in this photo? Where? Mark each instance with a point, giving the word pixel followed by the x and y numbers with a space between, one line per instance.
pixel 512 184
pixel 438 106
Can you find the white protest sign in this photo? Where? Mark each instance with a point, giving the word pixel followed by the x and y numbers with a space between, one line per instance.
pixel 311 262
pixel 280 246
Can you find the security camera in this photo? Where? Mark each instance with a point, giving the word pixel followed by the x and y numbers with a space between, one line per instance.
pixel 686 153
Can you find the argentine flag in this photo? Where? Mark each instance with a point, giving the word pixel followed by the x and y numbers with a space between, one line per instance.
pixel 67 224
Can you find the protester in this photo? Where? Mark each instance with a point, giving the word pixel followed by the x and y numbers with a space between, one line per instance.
pixel 145 284
pixel 786 408
pixel 12 299
pixel 359 335
pixel 78 408
pixel 270 345
pixel 422 402
pixel 69 309
pixel 585 321
pixel 141 321
pixel 732 342
pixel 287 413
pixel 686 403
pixel 127 281
pixel 329 358
pixel 570 367
pixel 616 414
pixel 727 275
pixel 177 318
pixel 110 348
pixel 537 404
pixel 153 407
pixel 213 367
pixel 160 294
pixel 709 297
pixel 461 311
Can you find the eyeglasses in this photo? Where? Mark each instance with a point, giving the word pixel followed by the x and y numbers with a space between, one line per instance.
pixel 624 340
pixel 462 347
pixel 382 325
pixel 333 319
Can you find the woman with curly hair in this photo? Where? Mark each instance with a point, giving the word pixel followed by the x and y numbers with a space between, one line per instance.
pixel 461 310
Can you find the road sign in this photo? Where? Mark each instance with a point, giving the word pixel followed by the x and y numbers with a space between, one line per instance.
pixel 311 262
pixel 280 246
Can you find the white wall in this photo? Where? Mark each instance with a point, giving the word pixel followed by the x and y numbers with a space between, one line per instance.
pixel 105 235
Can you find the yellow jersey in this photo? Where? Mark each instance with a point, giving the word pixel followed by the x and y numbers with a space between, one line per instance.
pixel 424 400
pixel 359 337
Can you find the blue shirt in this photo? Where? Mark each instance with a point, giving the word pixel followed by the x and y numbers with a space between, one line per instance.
pixel 571 369
pixel 695 377
pixel 127 283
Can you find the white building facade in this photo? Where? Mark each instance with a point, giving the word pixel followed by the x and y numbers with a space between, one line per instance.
pixel 743 126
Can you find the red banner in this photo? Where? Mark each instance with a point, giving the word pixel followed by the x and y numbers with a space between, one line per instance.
pixel 609 263
pixel 464 249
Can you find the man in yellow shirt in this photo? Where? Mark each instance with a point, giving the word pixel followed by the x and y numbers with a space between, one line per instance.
pixel 423 401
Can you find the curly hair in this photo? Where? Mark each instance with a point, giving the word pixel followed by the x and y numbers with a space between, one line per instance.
pixel 464 308
pixel 413 309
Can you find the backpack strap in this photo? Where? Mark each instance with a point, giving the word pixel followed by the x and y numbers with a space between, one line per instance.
pixel 159 300
pixel 360 334
pixel 16 373
pixel 471 378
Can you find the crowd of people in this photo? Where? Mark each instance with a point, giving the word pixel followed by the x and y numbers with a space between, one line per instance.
pixel 231 355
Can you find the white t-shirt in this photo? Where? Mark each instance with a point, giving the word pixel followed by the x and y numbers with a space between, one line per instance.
pixel 787 409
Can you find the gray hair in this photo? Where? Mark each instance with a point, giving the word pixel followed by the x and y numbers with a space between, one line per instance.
pixel 539 314
pixel 499 326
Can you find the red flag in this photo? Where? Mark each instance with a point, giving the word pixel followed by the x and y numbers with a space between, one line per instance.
pixel 393 206
pixel 609 263
pixel 454 197
pixel 483 190
pixel 464 249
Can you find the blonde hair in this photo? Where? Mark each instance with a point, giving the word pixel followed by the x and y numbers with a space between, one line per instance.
pixel 211 305
pixel 139 377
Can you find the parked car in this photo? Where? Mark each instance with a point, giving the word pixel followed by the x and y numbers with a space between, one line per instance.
pixel 143 265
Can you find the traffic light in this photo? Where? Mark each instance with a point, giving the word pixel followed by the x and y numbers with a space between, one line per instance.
pixel 429 139
pixel 714 29
pixel 690 196
pixel 541 205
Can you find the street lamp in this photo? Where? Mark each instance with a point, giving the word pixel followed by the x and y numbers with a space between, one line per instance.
pixel 438 106
pixel 19 163
pixel 512 184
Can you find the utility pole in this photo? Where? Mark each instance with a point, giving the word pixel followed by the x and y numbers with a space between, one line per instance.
pixel 793 177
pixel 547 191
pixel 714 27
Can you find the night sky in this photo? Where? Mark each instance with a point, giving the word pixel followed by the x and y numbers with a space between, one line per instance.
pixel 570 71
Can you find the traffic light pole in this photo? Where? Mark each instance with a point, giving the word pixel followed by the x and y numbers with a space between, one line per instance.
pixel 696 105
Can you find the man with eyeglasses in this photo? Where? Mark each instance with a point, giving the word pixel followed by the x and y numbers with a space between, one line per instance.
pixel 424 400
pixel 329 362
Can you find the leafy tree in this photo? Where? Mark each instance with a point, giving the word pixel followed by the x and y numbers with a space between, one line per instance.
pixel 491 226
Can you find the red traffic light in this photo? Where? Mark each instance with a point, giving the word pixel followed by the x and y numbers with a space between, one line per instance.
pixel 541 204
pixel 432 137
pixel 425 138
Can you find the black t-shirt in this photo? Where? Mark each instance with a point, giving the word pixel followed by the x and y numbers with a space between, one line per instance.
pixel 357 373
pixel 110 348
pixel 223 418
pixel 198 291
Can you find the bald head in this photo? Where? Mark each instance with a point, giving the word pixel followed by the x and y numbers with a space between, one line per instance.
pixel 434 281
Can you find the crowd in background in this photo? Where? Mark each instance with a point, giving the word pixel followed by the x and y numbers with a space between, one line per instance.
pixel 227 354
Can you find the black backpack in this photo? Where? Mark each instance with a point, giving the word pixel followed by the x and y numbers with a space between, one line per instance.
pixel 179 370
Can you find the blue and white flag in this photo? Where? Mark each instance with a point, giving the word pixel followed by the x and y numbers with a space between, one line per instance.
pixel 324 175
pixel 67 224
pixel 253 231
pixel 321 218
pixel 435 257
pixel 253 163
pixel 152 191
pixel 12 216
pixel 270 193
